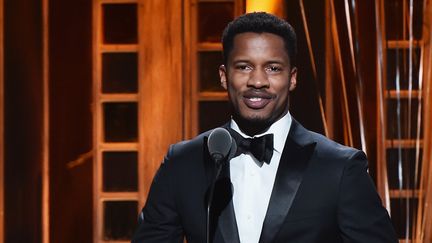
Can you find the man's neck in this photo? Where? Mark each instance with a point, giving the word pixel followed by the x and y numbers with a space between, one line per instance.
pixel 252 129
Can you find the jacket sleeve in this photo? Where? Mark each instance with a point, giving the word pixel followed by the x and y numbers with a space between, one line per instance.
pixel 159 221
pixel 361 216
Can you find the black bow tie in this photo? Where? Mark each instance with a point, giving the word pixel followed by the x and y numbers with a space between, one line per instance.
pixel 260 147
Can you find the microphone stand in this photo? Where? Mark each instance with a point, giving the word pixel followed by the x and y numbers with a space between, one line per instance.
pixel 218 164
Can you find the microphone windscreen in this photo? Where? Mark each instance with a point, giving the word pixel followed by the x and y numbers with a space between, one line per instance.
pixel 219 143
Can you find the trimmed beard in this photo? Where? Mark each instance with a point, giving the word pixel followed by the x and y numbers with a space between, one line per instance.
pixel 251 126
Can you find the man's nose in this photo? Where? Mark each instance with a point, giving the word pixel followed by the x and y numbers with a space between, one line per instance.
pixel 258 79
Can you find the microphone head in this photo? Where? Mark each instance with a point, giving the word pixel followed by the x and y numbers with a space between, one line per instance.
pixel 219 144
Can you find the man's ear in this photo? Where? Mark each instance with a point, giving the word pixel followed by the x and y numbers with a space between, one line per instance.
pixel 293 79
pixel 223 76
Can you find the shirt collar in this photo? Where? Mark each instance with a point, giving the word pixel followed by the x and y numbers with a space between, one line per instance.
pixel 279 129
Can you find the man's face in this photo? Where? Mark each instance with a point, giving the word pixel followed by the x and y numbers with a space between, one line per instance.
pixel 258 77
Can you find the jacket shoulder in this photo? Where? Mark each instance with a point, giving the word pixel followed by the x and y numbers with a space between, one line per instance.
pixel 325 148
pixel 331 149
pixel 187 147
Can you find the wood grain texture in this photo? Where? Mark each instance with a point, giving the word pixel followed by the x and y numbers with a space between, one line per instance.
pixel 382 179
pixel 97 122
pixel 424 217
pixel 1 126
pixel 46 126
pixel 161 84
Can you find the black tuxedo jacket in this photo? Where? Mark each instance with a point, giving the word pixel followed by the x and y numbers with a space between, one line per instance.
pixel 322 193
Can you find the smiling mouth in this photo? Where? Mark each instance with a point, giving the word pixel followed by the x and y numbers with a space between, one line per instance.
pixel 257 101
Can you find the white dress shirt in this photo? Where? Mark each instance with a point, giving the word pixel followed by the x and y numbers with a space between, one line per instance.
pixel 253 184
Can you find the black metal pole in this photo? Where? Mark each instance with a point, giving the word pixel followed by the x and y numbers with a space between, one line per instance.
pixel 210 198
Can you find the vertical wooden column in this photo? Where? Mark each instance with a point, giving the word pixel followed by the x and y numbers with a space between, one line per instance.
pixel 188 114
pixel 329 73
pixel 424 217
pixel 70 120
pixel 96 35
pixel 45 125
pixel 23 120
pixel 1 126
pixel 426 185
pixel 161 84
pixel 382 181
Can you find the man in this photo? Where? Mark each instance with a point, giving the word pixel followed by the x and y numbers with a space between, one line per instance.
pixel 309 189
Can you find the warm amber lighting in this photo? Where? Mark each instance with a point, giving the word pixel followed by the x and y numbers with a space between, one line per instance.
pixel 270 6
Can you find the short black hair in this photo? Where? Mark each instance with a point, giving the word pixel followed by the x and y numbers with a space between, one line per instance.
pixel 260 22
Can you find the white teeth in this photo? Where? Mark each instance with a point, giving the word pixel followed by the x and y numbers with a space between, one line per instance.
pixel 255 99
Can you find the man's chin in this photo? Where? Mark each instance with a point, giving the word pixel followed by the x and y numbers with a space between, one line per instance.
pixel 256 124
pixel 257 120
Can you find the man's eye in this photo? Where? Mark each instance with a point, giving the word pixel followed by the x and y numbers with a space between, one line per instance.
pixel 274 69
pixel 242 67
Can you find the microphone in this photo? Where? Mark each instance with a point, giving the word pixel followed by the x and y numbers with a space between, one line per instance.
pixel 220 144
pixel 221 147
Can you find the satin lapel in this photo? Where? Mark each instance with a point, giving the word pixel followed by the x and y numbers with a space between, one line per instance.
pixel 222 211
pixel 227 223
pixel 289 176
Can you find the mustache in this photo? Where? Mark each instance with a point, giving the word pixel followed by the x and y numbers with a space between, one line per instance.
pixel 258 93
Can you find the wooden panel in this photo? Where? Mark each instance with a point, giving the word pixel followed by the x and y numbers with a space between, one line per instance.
pixel 116 129
pixel 97 119
pixel 366 71
pixel 403 143
pixel 396 44
pixel 396 55
pixel 425 211
pixel 23 121
pixel 118 97
pixel 188 114
pixel 119 196
pixel 46 125
pixel 305 96
pixel 161 89
pixel 404 193
pixel 70 124
pixel 329 74
pixel 205 96
pixel 119 48
pixel 403 94
pixel 1 126
pixel 382 179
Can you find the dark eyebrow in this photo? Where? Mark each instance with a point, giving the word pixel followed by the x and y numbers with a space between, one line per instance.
pixel 268 62
pixel 240 60
pixel 277 62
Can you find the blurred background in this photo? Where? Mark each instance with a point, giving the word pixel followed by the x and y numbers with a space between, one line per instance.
pixel 93 92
